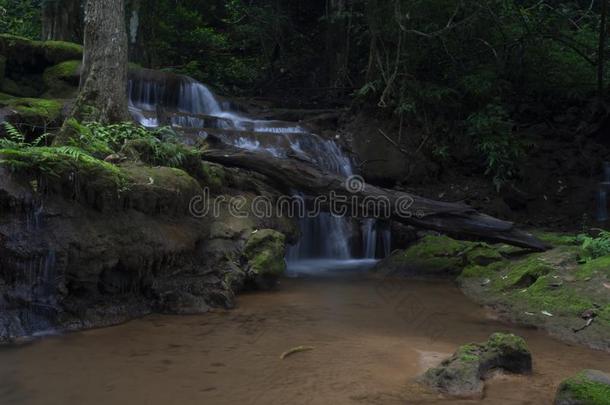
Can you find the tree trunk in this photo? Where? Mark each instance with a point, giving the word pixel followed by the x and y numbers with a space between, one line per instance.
pixel 103 87
pixel 458 220
pixel 62 21
pixel 601 54
pixel 336 42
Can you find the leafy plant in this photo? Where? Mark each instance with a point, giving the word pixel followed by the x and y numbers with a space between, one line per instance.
pixel 491 132
pixel 594 246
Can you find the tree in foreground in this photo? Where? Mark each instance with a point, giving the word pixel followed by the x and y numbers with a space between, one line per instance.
pixel 103 85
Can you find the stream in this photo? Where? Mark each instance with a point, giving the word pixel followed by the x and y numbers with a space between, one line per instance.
pixel 371 337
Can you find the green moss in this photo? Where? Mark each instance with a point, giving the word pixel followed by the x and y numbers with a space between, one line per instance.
pixel 265 253
pixel 557 239
pixel 599 266
pixel 562 300
pixel 604 314
pixel 62 79
pixel 478 271
pixel 37 108
pixel 483 254
pixel 34 52
pixel 524 273
pixel 506 341
pixel 586 391
pixel 468 353
pixel 5 97
pixel 61 162
pixel 214 175
pixel 64 70
pixel 162 188
pixel 65 49
pixel 440 253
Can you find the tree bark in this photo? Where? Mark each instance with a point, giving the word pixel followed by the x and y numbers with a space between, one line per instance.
pixel 103 87
pixel 601 54
pixel 62 20
pixel 455 219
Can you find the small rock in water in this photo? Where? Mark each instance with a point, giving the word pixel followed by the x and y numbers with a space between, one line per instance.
pixel 589 387
pixel 463 374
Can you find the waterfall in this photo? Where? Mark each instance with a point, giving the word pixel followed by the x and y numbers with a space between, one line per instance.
pixel 165 99
pixel 602 194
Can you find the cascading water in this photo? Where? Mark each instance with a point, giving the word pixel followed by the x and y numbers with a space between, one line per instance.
pixel 326 240
pixel 602 194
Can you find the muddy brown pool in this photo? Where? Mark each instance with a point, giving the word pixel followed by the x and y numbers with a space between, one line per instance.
pixel 370 338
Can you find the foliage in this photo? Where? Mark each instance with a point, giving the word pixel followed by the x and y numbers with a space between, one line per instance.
pixel 14 139
pixel 20 17
pixel 491 132
pixel 594 247
pixel 59 162
pixel 157 147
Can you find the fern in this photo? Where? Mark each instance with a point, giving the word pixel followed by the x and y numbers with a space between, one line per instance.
pixel 13 134
pixel 73 152
pixel 594 247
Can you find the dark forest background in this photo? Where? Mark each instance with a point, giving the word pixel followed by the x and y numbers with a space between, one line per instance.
pixel 480 71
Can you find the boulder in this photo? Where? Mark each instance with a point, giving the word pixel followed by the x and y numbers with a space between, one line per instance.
pixel 62 80
pixel 264 252
pixel 31 116
pixel 464 373
pixel 589 387
pixel 431 256
pixel 36 56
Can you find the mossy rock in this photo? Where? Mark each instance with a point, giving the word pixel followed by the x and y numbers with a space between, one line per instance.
pixel 442 256
pixel 35 109
pixel 22 88
pixel 589 387
pixel 264 252
pixel 214 176
pixel 483 255
pixel 32 116
pixel 159 190
pixel 62 80
pixel 557 239
pixel 68 172
pixel 171 154
pixel 36 56
pixel 463 374
pixel 525 273
pixel 431 256
pixel 2 68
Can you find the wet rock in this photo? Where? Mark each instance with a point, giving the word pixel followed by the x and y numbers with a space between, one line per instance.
pixel 431 256
pixel 589 387
pixel 37 55
pixel 264 252
pixel 182 303
pixel 31 116
pixel 62 80
pixel 464 374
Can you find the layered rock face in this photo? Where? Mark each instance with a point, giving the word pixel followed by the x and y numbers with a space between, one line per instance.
pixel 89 247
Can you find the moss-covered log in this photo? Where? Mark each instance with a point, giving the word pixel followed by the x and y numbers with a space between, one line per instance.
pixel 455 219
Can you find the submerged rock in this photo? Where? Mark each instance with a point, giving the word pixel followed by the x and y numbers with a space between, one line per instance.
pixel 464 373
pixel 589 387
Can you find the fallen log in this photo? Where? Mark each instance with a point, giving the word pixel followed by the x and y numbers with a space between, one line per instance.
pixel 292 173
